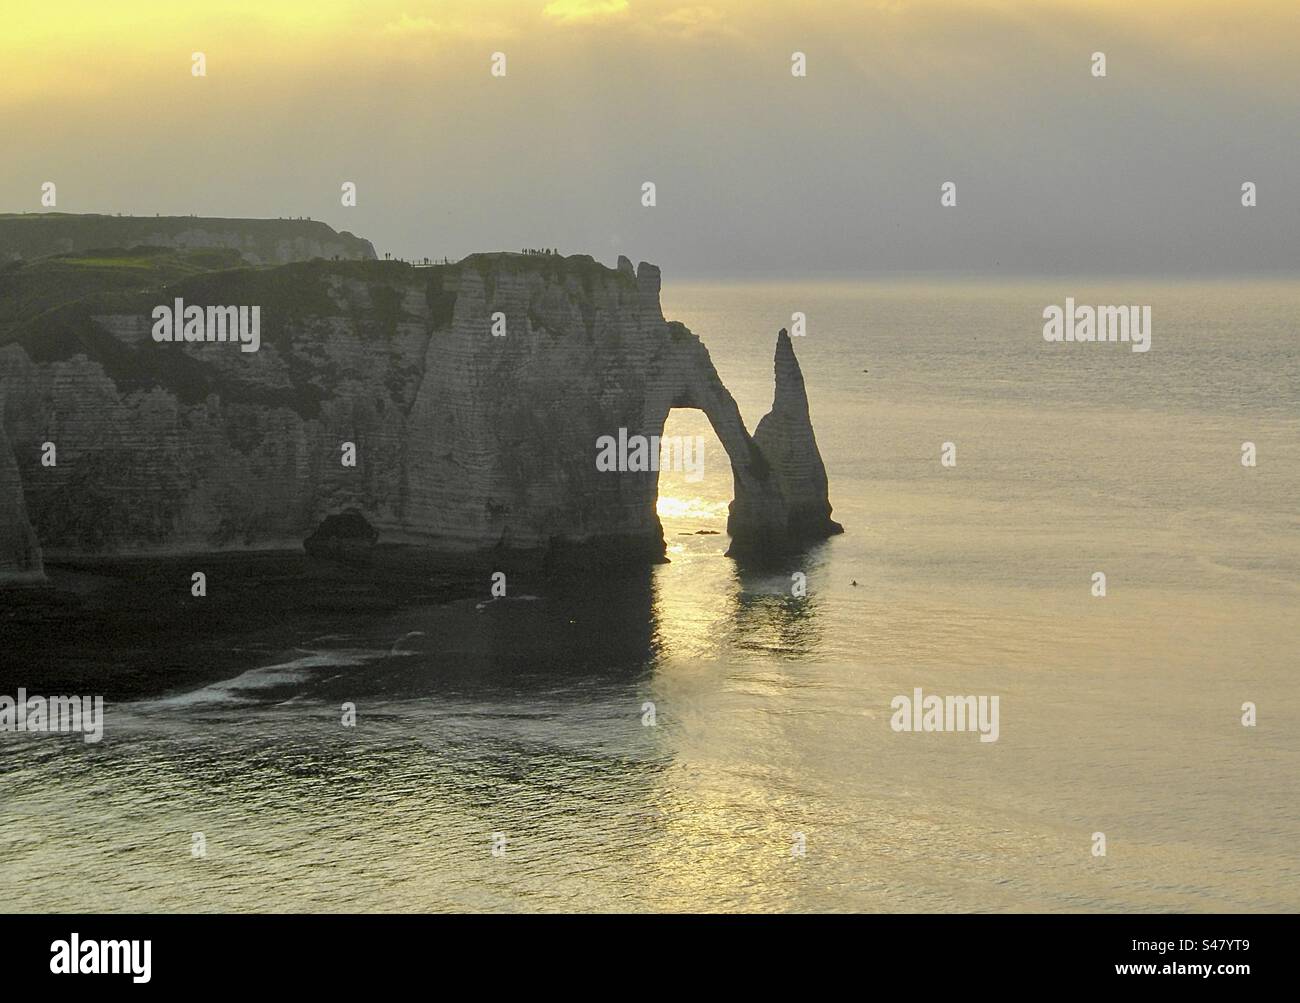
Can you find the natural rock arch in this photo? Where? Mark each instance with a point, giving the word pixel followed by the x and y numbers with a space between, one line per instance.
pixel 779 499
pixel 465 440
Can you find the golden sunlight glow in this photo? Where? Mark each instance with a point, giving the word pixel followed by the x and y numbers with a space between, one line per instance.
pixel 700 509
pixel 698 499
pixel 81 48
pixel 584 10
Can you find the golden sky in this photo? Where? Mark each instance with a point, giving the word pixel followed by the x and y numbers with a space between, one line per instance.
pixel 70 47
pixel 602 94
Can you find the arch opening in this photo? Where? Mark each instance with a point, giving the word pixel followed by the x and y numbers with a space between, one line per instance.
pixel 695 483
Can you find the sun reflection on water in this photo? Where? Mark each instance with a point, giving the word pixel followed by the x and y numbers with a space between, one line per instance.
pixel 709 510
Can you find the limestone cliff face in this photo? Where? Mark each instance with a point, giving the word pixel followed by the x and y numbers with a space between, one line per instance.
pixel 260 241
pixel 463 440
pixel 785 437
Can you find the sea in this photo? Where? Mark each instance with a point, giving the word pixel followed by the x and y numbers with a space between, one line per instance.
pixel 708 736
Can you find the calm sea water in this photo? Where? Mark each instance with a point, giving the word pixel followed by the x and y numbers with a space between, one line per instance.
pixel 526 718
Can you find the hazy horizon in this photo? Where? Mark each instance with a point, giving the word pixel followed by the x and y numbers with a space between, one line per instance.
pixel 758 173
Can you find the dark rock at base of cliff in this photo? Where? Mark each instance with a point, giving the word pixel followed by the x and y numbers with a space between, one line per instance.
pixel 604 554
pixel 130 628
pixel 344 537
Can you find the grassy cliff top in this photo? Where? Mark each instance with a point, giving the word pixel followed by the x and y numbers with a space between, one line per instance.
pixel 39 234
pixel 50 307
pixel 43 299
pixel 107 277
pixel 30 288
pixel 584 266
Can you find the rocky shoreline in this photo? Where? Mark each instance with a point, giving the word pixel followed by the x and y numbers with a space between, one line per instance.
pixel 130 628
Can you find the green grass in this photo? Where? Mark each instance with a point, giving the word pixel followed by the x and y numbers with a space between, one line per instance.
pixel 39 234
pixel 29 289
pixel 109 262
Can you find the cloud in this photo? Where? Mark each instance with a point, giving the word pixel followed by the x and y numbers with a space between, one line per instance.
pixel 407 25
pixel 445 28
pixel 689 22
pixel 578 11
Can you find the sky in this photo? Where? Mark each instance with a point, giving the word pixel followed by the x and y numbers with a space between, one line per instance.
pixel 759 174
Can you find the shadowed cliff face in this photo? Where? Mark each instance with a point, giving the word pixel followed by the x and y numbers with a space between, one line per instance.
pixel 20 553
pixel 463 440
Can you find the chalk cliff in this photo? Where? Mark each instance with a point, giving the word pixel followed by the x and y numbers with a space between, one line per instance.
pixel 260 241
pixel 785 437
pixel 463 440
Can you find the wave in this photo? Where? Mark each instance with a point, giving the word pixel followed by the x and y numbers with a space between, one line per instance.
pixel 243 689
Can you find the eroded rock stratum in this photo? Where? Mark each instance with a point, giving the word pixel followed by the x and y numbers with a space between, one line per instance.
pixel 464 441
